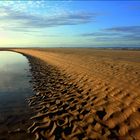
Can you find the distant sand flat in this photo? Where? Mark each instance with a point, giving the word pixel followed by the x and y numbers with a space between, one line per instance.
pixel 85 93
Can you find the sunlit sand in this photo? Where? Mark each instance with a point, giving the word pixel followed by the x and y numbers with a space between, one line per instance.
pixel 85 93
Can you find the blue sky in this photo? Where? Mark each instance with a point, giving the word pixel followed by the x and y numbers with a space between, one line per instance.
pixel 69 23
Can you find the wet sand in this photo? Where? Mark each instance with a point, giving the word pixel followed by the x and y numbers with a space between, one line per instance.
pixel 85 93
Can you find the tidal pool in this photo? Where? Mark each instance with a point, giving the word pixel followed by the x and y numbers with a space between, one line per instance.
pixel 14 90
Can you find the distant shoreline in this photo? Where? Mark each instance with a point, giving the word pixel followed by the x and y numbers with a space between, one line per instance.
pixel 97 48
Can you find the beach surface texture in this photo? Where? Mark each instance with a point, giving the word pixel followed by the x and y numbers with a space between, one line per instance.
pixel 85 93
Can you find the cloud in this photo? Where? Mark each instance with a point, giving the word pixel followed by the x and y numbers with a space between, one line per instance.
pixel 67 19
pixel 18 20
pixel 115 31
pixel 99 34
pixel 123 33
pixel 125 29
pixel 24 5
pixel 132 37
pixel 127 32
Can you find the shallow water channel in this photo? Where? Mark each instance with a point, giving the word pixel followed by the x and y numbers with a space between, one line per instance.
pixel 14 90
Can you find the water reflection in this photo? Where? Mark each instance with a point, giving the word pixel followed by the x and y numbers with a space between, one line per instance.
pixel 14 89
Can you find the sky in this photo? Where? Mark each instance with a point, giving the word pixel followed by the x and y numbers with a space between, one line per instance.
pixel 69 23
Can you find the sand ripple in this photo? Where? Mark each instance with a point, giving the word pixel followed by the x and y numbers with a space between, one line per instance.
pixel 74 106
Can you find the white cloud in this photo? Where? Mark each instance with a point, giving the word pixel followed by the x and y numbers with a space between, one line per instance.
pixel 19 21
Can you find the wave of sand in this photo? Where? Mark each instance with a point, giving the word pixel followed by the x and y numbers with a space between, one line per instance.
pixel 85 93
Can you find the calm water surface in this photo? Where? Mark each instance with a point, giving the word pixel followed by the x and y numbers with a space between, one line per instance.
pixel 14 90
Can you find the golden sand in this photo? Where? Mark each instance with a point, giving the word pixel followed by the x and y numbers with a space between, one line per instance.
pixel 85 93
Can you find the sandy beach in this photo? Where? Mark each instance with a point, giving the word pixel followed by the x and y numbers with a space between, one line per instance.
pixel 85 93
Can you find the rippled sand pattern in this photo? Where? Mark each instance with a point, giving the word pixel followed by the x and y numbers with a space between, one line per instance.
pixel 84 97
